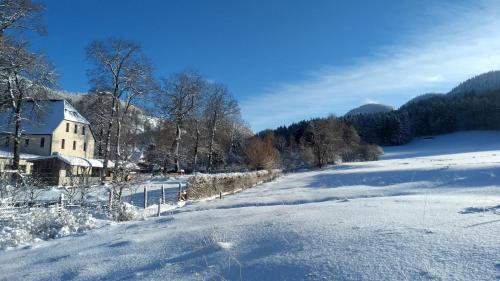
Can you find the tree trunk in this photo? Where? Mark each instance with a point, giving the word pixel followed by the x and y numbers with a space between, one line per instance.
pixel 17 105
pixel 175 146
pixel 107 142
pixel 211 144
pixel 17 133
pixel 231 145
pixel 320 158
pixel 196 144
pixel 99 143
pixel 117 145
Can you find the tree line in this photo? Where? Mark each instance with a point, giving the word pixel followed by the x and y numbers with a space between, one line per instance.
pixel 313 143
pixel 182 121
pixel 434 115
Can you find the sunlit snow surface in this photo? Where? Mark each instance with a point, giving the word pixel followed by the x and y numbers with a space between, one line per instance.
pixel 428 211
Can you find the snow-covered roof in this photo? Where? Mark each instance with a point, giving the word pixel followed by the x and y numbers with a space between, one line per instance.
pixel 76 161
pixel 42 117
pixel 129 165
pixel 137 156
pixel 9 154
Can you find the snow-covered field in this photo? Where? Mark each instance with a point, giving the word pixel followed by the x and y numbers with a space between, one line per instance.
pixel 429 210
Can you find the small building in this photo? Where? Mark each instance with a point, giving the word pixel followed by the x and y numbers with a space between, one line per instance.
pixel 58 139
pixel 60 169
pixel 25 165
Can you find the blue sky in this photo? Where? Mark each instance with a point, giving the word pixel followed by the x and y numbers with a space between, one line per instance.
pixel 288 60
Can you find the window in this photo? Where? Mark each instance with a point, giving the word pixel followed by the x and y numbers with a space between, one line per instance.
pixel 74 145
pixel 67 127
pixel 42 142
pixel 26 142
pixel 63 142
pixel 84 146
pixel 83 130
pixel 76 129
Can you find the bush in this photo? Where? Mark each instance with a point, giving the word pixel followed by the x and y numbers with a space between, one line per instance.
pixel 261 154
pixel 370 152
pixel 43 223
pixel 126 212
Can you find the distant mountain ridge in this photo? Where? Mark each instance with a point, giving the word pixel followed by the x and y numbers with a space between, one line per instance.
pixel 473 105
pixel 370 108
pixel 480 84
pixel 423 97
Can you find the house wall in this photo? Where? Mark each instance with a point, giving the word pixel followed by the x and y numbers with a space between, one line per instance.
pixel 70 136
pixel 34 144
pixel 6 162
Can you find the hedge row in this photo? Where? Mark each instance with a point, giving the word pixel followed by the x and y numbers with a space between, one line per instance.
pixel 203 186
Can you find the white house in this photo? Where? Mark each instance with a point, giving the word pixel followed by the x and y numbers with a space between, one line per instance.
pixel 57 142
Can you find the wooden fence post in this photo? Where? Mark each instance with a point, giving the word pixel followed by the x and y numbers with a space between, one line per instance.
pixel 159 207
pixel 61 200
pixel 162 194
pixel 145 197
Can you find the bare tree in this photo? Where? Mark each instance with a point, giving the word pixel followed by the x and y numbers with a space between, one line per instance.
pixel 220 105
pixel 326 140
pixel 20 15
pixel 95 107
pixel 121 71
pixel 24 76
pixel 197 119
pixel 176 101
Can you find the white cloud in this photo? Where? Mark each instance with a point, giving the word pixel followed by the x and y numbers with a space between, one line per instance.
pixel 434 60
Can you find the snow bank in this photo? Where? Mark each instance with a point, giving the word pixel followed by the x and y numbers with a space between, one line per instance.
pixel 42 224
pixel 203 185
pixel 431 217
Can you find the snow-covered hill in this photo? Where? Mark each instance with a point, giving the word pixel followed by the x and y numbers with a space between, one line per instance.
pixel 427 211
pixel 370 108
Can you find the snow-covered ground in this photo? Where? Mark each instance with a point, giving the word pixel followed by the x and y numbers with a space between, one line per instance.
pixel 427 211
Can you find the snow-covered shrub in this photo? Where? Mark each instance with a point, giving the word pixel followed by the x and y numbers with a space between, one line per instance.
pixel 43 223
pixel 202 186
pixel 370 152
pixel 127 212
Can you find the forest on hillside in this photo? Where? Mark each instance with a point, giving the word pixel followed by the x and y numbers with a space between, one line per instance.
pixel 434 115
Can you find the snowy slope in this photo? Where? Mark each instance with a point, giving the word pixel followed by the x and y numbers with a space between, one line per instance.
pixel 428 211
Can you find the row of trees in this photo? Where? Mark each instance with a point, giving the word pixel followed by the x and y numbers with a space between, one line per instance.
pixel 191 124
pixel 316 142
